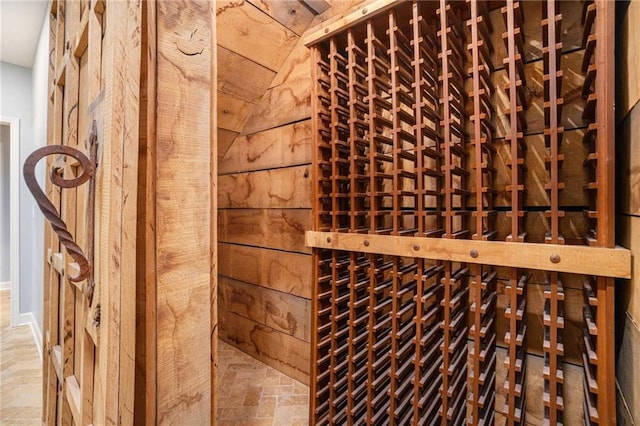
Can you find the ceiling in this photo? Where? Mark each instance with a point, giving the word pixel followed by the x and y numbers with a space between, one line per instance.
pixel 20 24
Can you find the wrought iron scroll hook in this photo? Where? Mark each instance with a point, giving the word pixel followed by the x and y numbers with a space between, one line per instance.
pixel 47 207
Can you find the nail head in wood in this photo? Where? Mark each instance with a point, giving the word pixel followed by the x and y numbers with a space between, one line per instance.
pixel 366 243
pixel 473 253
pixel 554 258
pixel 416 247
pixel 328 239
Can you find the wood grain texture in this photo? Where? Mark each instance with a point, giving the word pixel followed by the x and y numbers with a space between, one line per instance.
pixel 283 104
pixel 242 78
pixel 296 66
pixel 628 164
pixel 146 344
pixel 572 83
pixel 273 309
pixel 286 272
pixel 280 147
pixel 246 30
pixel 276 349
pixel 281 229
pixel 233 112
pixel 573 259
pixel 627 371
pixel 292 14
pixel 573 172
pixel 628 61
pixel 183 212
pixel 288 187
pixel 628 235
pixel 213 227
pixel 573 317
pixel 573 393
pixel 225 139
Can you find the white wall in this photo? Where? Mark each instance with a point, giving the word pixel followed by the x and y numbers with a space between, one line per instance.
pixel 5 259
pixel 23 95
pixel 39 90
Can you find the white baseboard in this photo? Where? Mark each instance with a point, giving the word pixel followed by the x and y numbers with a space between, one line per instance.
pixel 27 318
pixel 5 285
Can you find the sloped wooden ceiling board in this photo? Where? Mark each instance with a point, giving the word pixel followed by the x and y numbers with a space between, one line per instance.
pixel 242 77
pixel 246 30
pixel 293 14
pixel 225 139
pixel 233 112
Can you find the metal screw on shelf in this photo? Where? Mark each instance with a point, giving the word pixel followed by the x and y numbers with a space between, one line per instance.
pixel 554 258
pixel 473 253
pixel 328 239
pixel 416 247
pixel 366 243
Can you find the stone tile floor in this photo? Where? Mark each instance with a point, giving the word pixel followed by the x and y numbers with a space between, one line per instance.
pixel 254 394
pixel 20 371
pixel 251 393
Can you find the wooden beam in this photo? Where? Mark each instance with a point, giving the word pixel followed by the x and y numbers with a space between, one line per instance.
pixel 56 360
pixel 600 261
pixel 57 261
pixel 324 31
pixel 73 397
pixel 183 183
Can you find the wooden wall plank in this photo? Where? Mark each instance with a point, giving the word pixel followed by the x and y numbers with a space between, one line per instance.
pixel 146 344
pixel 288 187
pixel 628 164
pixel 242 78
pixel 297 66
pixel 628 235
pixel 628 60
pixel 280 147
pixel 213 226
pixel 293 14
pixel 274 269
pixel 574 173
pixel 274 309
pixel 283 104
pixel 224 142
pixel 233 112
pixel 279 350
pixel 627 370
pixel 534 382
pixel 115 217
pixel 281 229
pixel 253 34
pixel 183 184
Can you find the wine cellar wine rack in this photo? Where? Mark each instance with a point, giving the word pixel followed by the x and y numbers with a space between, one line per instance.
pixel 457 144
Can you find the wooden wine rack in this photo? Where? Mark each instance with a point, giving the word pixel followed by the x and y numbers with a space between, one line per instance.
pixel 427 117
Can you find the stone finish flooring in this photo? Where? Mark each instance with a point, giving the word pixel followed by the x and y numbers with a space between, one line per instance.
pixel 20 371
pixel 252 393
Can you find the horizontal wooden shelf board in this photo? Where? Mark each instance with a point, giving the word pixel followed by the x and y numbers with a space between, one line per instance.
pixel 600 261
pixel 327 29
